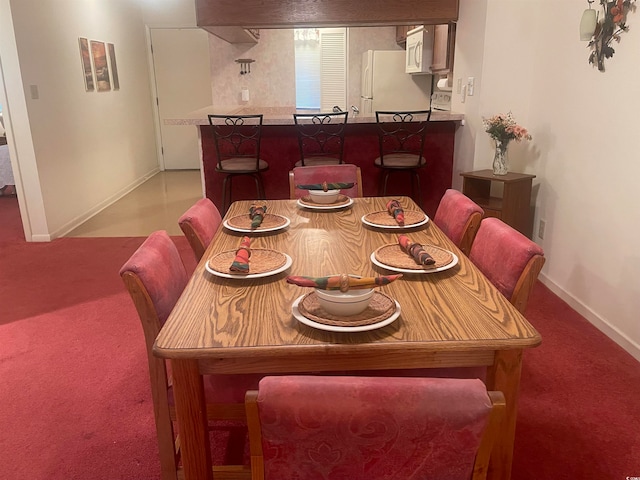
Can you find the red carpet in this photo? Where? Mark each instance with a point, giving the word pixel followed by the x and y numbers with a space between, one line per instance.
pixel 75 401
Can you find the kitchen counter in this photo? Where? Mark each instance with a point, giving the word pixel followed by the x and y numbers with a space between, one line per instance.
pixel 284 115
pixel 279 147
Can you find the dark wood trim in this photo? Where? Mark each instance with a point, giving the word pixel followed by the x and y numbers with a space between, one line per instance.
pixel 301 13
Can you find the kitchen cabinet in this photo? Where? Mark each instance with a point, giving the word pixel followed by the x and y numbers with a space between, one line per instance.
pixel 513 207
pixel 401 33
pixel 444 42
pixel 314 13
pixel 235 34
pixel 444 39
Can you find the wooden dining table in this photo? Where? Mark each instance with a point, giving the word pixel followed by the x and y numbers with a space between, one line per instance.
pixel 453 318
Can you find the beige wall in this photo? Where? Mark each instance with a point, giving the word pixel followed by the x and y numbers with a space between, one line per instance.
pixel 527 58
pixel 89 147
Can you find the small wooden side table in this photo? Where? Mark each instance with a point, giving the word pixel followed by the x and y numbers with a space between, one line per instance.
pixel 513 208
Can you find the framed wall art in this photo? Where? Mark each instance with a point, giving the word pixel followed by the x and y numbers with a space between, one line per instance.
pixel 114 67
pixel 100 66
pixel 85 57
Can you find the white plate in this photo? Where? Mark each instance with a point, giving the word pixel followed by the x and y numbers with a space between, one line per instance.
pixel 325 207
pixel 286 265
pixel 377 225
pixel 258 230
pixel 453 263
pixel 335 328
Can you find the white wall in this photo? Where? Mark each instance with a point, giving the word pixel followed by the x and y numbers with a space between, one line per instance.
pixel 89 147
pixel 583 151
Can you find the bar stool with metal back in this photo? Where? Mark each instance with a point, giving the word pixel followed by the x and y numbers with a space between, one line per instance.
pixel 402 136
pixel 237 142
pixel 320 138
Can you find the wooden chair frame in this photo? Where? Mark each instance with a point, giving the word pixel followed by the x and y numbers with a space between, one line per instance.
pixel 164 413
pixel 470 230
pixel 524 286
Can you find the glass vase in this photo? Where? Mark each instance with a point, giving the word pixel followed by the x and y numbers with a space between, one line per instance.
pixel 500 160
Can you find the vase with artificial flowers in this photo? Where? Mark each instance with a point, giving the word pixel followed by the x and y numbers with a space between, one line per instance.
pixel 502 129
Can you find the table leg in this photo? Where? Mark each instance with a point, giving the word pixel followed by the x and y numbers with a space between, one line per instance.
pixel 191 411
pixel 504 375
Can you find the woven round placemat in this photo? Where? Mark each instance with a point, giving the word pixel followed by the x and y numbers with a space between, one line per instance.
pixel 380 308
pixel 269 221
pixel 385 219
pixel 394 256
pixel 262 260
pixel 342 200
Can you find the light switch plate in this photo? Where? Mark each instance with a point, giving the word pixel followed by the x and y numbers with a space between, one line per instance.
pixel 471 81
pixel 34 92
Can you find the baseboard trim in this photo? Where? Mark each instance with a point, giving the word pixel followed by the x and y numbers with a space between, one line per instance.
pixel 596 320
pixel 80 219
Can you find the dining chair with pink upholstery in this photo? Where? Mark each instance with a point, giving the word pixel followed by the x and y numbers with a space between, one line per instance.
pixel 373 428
pixel 155 277
pixel 459 218
pixel 343 173
pixel 199 224
pixel 509 260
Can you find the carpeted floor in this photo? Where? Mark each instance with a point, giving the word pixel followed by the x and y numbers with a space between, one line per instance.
pixel 75 401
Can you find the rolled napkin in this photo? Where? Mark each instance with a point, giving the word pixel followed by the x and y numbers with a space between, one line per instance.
pixel 241 262
pixel 256 213
pixel 396 210
pixel 325 186
pixel 342 282
pixel 416 251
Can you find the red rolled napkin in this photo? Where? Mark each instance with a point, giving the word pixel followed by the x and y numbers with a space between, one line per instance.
pixel 241 262
pixel 256 214
pixel 342 282
pixel 416 250
pixel 396 210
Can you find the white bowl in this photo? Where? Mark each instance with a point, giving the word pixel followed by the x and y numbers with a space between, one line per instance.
pixel 344 304
pixel 320 196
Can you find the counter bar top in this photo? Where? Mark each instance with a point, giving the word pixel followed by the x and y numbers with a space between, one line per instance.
pixel 284 115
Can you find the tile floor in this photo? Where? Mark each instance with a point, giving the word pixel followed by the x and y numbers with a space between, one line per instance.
pixel 155 205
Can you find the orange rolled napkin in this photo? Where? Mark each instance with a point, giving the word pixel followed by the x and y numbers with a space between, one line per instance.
pixel 395 209
pixel 416 251
pixel 241 262
pixel 342 282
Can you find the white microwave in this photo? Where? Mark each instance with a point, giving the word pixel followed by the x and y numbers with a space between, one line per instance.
pixel 419 49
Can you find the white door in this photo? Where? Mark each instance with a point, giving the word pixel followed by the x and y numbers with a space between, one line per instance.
pixel 183 84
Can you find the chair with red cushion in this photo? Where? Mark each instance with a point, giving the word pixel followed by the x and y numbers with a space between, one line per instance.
pixel 509 260
pixel 199 224
pixel 343 173
pixel 373 428
pixel 459 218
pixel 155 277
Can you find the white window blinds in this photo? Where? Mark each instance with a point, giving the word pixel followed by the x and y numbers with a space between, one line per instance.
pixel 321 68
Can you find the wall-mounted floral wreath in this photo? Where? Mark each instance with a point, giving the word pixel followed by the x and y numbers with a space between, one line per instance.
pixel 601 29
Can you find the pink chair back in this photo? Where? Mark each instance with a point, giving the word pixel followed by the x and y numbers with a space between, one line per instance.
pixel 459 218
pixel 343 173
pixel 158 266
pixel 199 224
pixel 369 428
pixel 508 259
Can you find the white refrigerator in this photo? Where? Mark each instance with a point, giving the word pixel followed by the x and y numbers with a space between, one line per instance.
pixel 386 86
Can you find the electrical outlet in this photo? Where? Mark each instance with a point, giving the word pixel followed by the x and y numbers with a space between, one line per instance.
pixel 541 228
pixel 471 83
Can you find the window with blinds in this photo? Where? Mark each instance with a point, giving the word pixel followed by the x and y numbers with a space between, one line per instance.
pixel 321 68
